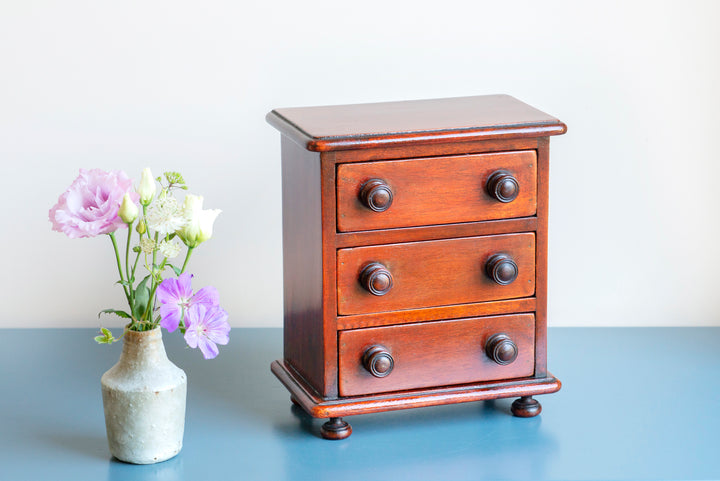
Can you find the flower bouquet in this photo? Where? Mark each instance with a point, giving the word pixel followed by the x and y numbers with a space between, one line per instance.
pixel 144 393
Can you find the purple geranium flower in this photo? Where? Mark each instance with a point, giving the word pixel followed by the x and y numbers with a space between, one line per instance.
pixel 207 326
pixel 90 205
pixel 176 298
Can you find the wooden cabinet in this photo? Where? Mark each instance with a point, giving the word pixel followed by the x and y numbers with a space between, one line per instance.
pixel 415 255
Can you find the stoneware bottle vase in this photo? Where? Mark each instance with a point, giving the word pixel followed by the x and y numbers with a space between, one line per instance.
pixel 144 399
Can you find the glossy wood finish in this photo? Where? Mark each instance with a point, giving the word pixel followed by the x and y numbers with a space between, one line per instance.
pixel 526 407
pixel 435 273
pixel 420 150
pixel 378 361
pixel 467 229
pixel 345 127
pixel 376 195
pixel 501 349
pixel 503 186
pixel 438 190
pixel 541 258
pixel 376 279
pixel 435 354
pixel 407 316
pixel 332 141
pixel 336 429
pixel 323 407
pixel 302 263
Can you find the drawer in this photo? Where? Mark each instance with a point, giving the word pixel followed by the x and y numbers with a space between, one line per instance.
pixel 438 190
pixel 435 273
pixel 438 353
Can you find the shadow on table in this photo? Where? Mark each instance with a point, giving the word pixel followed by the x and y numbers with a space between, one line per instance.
pixel 462 441
pixel 169 470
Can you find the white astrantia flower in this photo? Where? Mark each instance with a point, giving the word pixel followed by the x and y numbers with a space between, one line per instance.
pixel 166 216
pixel 147 245
pixel 169 249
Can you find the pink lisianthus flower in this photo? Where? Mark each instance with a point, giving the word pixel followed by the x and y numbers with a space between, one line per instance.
pixel 207 327
pixel 176 297
pixel 90 205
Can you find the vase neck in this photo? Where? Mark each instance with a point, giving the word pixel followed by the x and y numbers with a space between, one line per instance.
pixel 143 348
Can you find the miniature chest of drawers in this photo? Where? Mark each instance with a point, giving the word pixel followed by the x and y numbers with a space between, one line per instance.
pixel 415 255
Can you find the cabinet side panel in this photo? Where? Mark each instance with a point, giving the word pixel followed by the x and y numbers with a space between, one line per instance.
pixel 541 259
pixel 302 263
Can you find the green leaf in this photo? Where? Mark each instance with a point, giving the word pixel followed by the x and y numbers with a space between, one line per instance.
pixel 122 314
pixel 106 338
pixel 175 269
pixel 142 297
pixel 123 283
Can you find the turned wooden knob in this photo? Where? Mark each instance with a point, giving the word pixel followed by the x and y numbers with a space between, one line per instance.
pixel 376 279
pixel 501 349
pixel 376 195
pixel 503 186
pixel 501 269
pixel 378 361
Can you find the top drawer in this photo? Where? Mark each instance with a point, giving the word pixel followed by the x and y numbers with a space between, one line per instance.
pixel 437 190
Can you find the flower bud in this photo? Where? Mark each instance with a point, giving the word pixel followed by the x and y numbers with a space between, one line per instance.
pixel 147 187
pixel 200 227
pixel 128 210
pixel 141 227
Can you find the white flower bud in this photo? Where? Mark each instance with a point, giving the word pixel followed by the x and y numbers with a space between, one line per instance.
pixel 128 210
pixel 147 187
pixel 200 227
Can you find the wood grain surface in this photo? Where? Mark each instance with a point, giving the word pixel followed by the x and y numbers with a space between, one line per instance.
pixel 435 273
pixel 435 353
pixel 437 190
pixel 341 127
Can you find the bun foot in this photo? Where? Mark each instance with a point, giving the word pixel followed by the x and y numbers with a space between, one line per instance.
pixel 335 429
pixel 526 407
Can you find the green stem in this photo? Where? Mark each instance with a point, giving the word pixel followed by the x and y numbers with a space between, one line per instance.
pixel 153 282
pixel 151 300
pixel 137 258
pixel 119 265
pixel 127 266
pixel 187 258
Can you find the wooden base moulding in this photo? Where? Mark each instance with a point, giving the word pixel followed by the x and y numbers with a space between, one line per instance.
pixel 319 407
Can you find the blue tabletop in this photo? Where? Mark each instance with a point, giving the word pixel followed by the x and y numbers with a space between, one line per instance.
pixel 636 403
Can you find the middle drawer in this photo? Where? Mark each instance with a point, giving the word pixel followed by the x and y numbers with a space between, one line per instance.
pixel 435 273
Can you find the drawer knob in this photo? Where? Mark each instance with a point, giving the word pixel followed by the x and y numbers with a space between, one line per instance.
pixel 376 195
pixel 503 186
pixel 502 269
pixel 376 279
pixel 501 349
pixel 378 361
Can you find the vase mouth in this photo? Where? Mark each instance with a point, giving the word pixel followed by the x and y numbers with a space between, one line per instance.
pixel 143 334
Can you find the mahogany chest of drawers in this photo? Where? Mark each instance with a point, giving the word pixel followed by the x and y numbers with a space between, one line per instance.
pixel 415 255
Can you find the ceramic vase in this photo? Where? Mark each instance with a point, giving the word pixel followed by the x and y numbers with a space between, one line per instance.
pixel 144 400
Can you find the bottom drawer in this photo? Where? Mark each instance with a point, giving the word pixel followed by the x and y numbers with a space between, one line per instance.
pixel 440 353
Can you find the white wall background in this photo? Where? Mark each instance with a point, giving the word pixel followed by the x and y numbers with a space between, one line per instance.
pixel 185 86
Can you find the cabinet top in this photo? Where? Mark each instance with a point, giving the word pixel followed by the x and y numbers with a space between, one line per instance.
pixel 362 126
